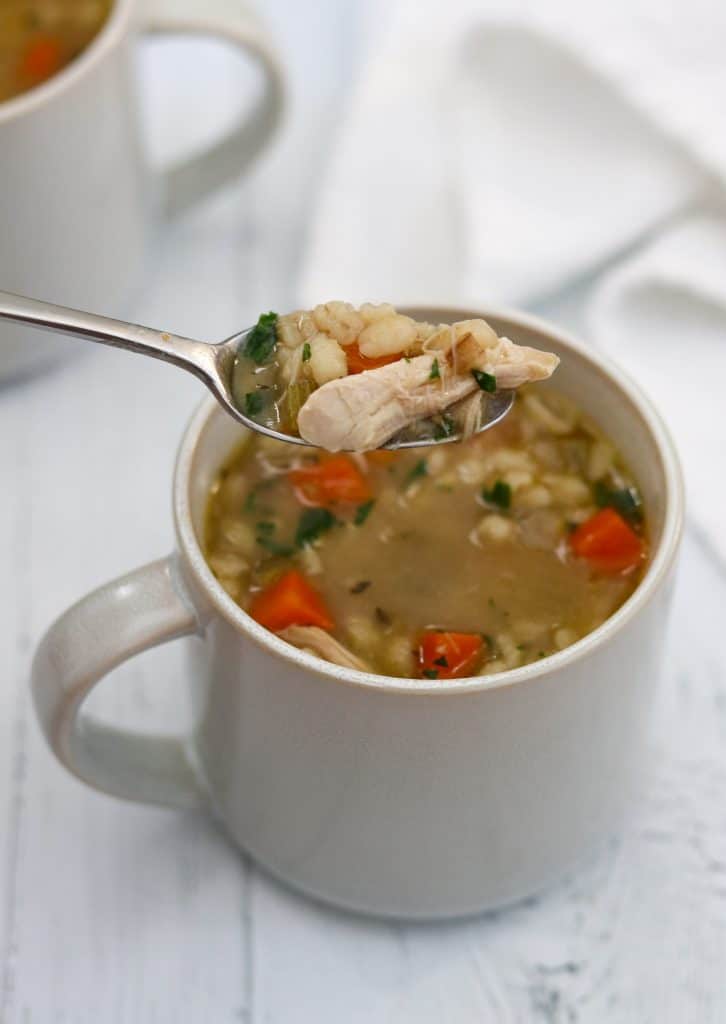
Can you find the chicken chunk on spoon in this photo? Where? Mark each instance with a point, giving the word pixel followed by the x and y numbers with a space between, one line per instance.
pixel 362 411
pixel 336 377
pixel 355 380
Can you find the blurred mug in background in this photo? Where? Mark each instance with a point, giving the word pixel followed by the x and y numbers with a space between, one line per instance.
pixel 77 197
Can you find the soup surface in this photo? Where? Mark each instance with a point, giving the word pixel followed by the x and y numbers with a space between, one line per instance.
pixel 40 37
pixel 474 558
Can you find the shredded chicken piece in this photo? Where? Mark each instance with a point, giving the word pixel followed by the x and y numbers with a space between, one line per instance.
pixel 467 414
pixel 437 368
pixel 361 412
pixel 317 641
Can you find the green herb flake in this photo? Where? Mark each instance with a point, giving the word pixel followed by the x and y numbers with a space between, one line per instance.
pixel 625 500
pixel 250 502
pixel 261 340
pixel 306 352
pixel 254 402
pixel 419 470
pixel 442 661
pixel 265 529
pixel 486 381
pixel 431 673
pixel 444 426
pixel 360 586
pixel 435 373
pixel 313 522
pixel 500 495
pixel 363 511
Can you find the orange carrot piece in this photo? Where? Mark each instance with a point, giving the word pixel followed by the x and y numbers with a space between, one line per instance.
pixel 330 481
pixel 290 601
pixel 42 58
pixel 357 362
pixel 607 542
pixel 448 655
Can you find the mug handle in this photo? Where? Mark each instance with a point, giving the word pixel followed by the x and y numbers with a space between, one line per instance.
pixel 133 613
pixel 192 178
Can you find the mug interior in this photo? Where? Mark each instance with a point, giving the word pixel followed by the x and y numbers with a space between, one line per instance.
pixel 599 388
pixel 110 31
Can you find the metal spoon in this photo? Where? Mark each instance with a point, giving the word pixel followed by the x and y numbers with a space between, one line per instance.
pixel 211 363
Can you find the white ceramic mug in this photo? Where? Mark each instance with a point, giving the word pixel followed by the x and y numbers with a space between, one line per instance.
pixel 408 798
pixel 77 198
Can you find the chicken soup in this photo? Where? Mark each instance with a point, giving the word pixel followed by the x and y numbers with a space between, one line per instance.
pixel 465 560
pixel 348 379
pixel 40 37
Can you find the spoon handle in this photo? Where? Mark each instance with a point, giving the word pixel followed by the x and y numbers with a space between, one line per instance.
pixel 195 356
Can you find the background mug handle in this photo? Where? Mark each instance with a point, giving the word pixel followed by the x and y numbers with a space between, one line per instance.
pixel 133 613
pixel 192 178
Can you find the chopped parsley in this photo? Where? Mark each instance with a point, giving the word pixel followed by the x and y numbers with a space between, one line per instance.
pixel 626 501
pixel 435 373
pixel 360 586
pixel 313 522
pixel 261 340
pixel 486 381
pixel 363 511
pixel 274 547
pixel 431 673
pixel 444 426
pixel 306 352
pixel 265 529
pixel 441 661
pixel 383 617
pixel 500 495
pixel 419 470
pixel 254 401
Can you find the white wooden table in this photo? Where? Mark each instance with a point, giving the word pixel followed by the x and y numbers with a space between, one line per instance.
pixel 111 912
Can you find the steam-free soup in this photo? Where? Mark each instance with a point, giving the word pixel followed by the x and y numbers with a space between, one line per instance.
pixel 471 559
pixel 40 37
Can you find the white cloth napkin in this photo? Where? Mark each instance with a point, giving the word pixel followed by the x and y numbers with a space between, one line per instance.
pixel 561 156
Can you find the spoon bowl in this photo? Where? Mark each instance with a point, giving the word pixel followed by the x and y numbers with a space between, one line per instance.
pixel 210 362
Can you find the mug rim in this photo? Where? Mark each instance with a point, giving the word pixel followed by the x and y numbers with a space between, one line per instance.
pixel 39 95
pixel 657 572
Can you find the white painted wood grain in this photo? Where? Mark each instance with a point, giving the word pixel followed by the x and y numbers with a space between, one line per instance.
pixel 116 913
